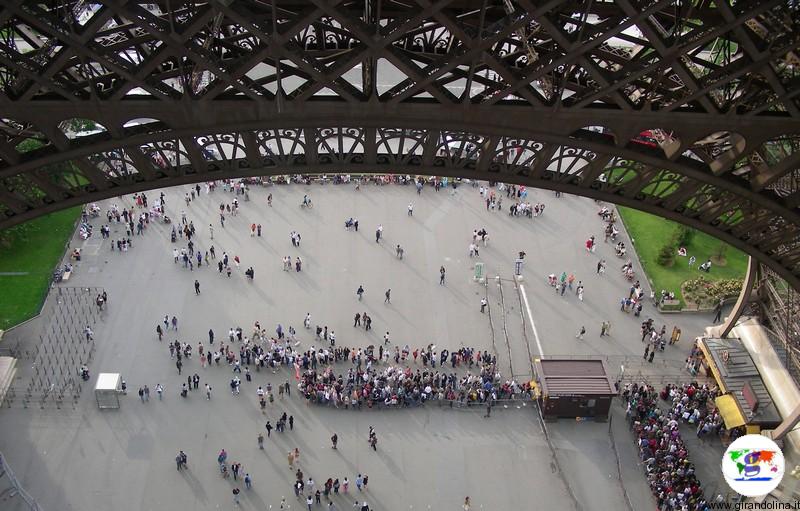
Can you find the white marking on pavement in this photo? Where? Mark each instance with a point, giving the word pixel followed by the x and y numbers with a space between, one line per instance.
pixel 530 320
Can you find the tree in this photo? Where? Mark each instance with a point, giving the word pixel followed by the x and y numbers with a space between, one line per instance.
pixel 666 256
pixel 719 253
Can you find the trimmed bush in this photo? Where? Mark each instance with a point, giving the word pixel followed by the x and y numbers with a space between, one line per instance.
pixel 666 256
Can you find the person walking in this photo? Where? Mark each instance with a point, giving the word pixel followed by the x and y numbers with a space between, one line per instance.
pixel 441 276
pixel 484 303
pixel 717 310
pixel 181 459
pixel 388 295
pixel 581 333
pixel 357 320
pixel 410 209
pixel 196 287
pixel 236 492
pixel 334 440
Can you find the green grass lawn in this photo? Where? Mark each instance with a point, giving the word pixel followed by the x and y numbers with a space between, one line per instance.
pixel 650 232
pixel 34 248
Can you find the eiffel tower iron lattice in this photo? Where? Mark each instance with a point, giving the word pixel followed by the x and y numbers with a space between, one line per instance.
pixel 689 110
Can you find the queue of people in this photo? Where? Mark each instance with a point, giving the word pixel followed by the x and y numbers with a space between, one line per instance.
pixel 662 452
pixel 398 386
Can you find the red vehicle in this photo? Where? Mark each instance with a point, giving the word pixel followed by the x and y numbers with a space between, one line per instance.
pixel 646 138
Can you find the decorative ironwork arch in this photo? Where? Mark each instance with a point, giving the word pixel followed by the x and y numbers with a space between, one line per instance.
pixel 686 110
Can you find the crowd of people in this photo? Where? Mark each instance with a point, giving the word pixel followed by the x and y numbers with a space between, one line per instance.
pixel 388 375
pixel 663 454
pixel 133 223
pixel 365 383
pixel 396 385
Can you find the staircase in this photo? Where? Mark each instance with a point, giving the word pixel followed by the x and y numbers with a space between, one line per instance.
pixel 788 361
pixel 8 368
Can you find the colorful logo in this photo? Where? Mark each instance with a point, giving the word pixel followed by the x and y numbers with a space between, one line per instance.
pixel 753 465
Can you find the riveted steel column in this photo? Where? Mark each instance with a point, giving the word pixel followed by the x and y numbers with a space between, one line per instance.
pixel 750 280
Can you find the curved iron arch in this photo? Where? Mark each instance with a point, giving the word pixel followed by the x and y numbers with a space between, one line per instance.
pixel 568 164
pixel 612 100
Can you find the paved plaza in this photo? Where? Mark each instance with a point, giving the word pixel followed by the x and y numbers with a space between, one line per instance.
pixel 427 458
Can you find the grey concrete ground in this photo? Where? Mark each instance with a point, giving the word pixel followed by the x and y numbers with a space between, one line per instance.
pixel 427 458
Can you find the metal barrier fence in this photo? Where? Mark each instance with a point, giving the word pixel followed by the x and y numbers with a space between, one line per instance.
pixel 64 346
pixel 16 488
pixel 522 400
pixel 60 397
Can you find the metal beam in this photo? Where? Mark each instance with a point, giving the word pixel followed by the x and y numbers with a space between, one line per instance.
pixel 571 87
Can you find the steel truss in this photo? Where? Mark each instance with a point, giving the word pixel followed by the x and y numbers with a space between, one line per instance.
pixel 689 110
pixel 780 310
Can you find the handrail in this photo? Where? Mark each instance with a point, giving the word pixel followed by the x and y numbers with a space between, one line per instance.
pixel 5 470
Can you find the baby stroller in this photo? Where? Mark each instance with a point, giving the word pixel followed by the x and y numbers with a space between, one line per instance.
pixel 552 280
pixel 348 223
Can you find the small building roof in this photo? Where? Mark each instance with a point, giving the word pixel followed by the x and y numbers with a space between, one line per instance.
pixel 562 377
pixel 107 381
pixel 735 373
